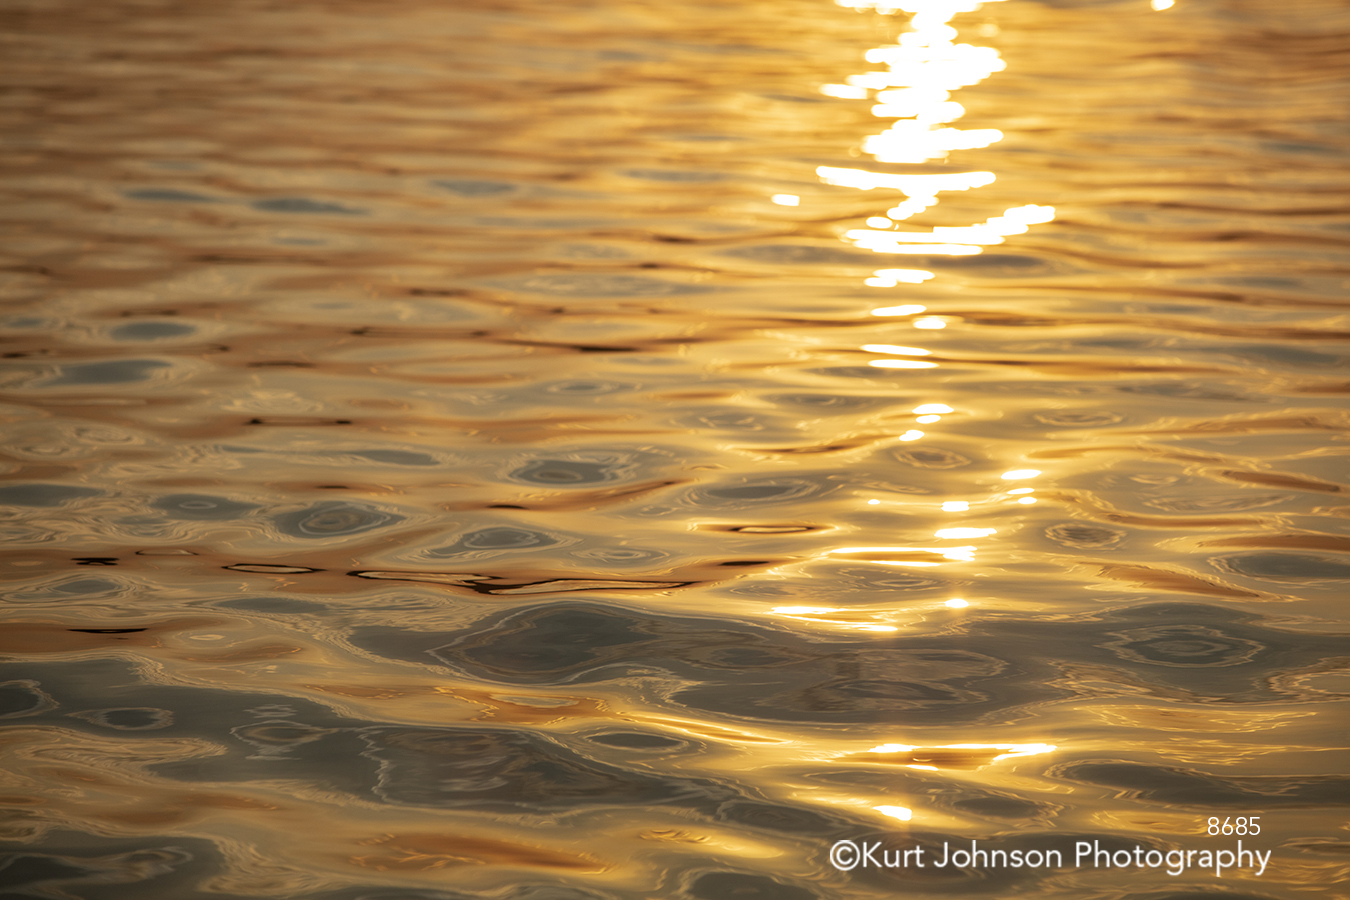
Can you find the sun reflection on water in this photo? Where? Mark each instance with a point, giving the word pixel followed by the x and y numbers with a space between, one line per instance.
pixel 923 68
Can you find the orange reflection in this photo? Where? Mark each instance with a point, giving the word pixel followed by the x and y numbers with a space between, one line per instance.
pixel 923 68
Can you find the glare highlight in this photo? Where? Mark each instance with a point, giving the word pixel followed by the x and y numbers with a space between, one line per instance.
pixel 905 310
pixel 952 533
pixel 896 277
pixel 895 812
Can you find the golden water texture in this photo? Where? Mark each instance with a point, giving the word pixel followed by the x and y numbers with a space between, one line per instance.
pixel 441 461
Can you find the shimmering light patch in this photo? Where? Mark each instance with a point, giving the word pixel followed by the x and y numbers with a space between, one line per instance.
pixel 895 242
pixel 911 435
pixel 895 812
pixel 1160 5
pixel 925 768
pixel 906 208
pixel 930 323
pixel 910 185
pixel 956 603
pixel 1010 750
pixel 844 91
pixel 1027 500
pixel 1006 751
pixel 923 68
pixel 896 349
pixel 895 277
pixel 901 364
pixel 955 506
pixel 786 199
pixel 1018 474
pixel 929 408
pixel 957 533
pixel 908 102
pixel 928 420
pixel 1022 491
pixel 907 309
pixel 916 141
pixel 876 628
pixel 873 502
pixel 806 610
pixel 992 231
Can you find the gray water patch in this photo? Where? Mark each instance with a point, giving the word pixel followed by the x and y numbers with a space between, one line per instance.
pixel 23 697
pixel 1289 567
pixel 1234 502
pixel 621 556
pixel 467 187
pixel 866 372
pixel 1188 390
pixel 933 458
pixel 1183 646
pixel 120 371
pixel 151 331
pixel 1079 419
pixel 168 195
pixel 830 404
pixel 1081 534
pixel 869 579
pixel 334 518
pixel 504 770
pixel 636 740
pixel 203 507
pixel 734 420
pixel 749 493
pixel 128 718
pixel 43 494
pixel 740 886
pixel 26 323
pixel 305 205
pixel 396 457
pixel 588 387
pixel 502 538
pixel 274 605
pixel 596 284
pixel 800 253
pixel 85 586
pixel 677 176
pixel 580 468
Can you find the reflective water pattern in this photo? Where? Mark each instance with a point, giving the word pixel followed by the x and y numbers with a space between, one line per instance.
pixel 612 450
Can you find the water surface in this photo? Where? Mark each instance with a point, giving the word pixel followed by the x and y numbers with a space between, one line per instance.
pixel 503 449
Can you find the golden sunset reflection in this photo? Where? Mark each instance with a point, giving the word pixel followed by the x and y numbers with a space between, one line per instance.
pixel 611 451
pixel 923 68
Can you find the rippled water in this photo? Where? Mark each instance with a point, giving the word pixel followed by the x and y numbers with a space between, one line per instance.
pixel 473 450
